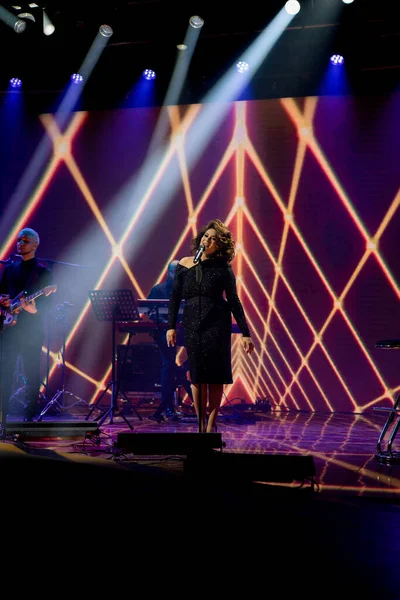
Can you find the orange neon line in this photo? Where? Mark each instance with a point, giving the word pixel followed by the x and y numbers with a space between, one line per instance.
pixel 101 386
pixel 255 159
pixel 240 136
pixel 310 107
pixel 363 349
pixel 395 286
pixel 388 217
pixel 131 276
pixel 71 367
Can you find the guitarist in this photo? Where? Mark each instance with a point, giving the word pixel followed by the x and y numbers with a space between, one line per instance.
pixel 26 337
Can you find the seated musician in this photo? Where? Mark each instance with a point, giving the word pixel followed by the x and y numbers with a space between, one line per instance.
pixel 171 374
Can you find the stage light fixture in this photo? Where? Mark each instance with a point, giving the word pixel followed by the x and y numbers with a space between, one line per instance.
pixel 11 20
pixel 292 7
pixel 196 22
pixel 347 1
pixel 26 15
pixel 15 82
pixel 19 26
pixel 106 31
pixel 149 74
pixel 337 59
pixel 242 66
pixel 48 27
pixel 182 47
pixel 76 78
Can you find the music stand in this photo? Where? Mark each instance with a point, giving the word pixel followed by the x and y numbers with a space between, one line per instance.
pixel 114 306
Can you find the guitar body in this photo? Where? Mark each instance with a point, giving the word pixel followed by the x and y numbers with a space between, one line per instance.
pixel 9 319
pixel 9 314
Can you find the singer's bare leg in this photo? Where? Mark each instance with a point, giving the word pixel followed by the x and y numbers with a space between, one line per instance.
pixel 214 400
pixel 196 401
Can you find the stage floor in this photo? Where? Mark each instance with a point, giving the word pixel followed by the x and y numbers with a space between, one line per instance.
pixel 343 445
pixel 343 536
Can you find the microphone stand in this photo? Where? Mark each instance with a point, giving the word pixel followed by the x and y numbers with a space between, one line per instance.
pixel 51 263
pixel 199 278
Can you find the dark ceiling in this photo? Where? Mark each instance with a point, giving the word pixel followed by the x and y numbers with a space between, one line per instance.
pixel 146 33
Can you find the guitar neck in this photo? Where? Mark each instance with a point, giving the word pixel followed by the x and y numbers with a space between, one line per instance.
pixel 34 296
pixel 17 303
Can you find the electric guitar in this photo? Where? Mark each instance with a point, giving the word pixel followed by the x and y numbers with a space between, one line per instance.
pixel 8 312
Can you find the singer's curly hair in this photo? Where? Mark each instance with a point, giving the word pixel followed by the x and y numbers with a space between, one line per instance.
pixel 225 241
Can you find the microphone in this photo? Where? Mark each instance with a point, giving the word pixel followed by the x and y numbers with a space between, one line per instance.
pixel 198 254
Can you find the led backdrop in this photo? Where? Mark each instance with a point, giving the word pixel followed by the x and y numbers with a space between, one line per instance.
pixel 310 189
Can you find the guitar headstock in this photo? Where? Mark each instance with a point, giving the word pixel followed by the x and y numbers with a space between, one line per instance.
pixel 50 289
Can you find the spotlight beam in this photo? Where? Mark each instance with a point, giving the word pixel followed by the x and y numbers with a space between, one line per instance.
pixel 176 84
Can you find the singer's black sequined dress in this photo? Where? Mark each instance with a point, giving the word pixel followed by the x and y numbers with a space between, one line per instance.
pixel 207 320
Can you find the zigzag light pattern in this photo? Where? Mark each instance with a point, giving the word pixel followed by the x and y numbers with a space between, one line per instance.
pixel 269 372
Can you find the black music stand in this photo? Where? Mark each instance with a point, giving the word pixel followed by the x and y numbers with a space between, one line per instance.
pixel 114 306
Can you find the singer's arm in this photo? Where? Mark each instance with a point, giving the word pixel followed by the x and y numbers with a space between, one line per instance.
pixel 234 303
pixel 237 310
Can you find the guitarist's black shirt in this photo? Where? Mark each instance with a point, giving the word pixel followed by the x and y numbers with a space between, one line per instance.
pixel 29 276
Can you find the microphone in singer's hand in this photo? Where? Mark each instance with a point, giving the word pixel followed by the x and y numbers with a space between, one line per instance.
pixel 198 254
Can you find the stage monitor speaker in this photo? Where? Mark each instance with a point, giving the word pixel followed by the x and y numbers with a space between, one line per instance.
pixel 277 468
pixel 51 429
pixel 139 368
pixel 168 443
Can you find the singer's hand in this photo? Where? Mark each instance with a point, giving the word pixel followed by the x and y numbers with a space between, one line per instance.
pixel 171 337
pixel 248 345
